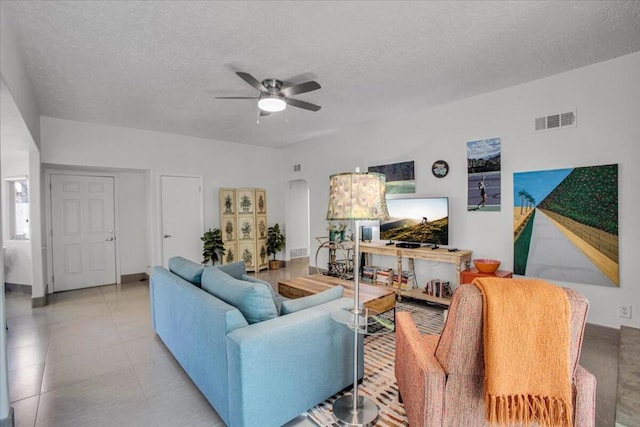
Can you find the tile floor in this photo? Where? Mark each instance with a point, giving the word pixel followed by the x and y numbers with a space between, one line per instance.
pixel 91 358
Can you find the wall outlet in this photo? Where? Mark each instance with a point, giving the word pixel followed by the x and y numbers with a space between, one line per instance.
pixel 624 310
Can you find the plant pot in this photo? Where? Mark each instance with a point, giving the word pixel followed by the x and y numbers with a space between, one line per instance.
pixel 274 264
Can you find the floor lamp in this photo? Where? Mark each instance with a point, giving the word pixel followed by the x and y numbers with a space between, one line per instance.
pixel 357 196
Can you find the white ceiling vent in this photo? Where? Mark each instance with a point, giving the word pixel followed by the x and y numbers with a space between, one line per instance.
pixel 556 121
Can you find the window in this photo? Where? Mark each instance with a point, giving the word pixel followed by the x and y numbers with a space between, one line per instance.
pixel 18 208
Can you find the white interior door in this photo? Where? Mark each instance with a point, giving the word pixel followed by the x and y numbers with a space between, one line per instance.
pixel 83 232
pixel 181 218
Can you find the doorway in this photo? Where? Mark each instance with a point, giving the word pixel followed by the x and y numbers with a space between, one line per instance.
pixel 83 231
pixel 182 218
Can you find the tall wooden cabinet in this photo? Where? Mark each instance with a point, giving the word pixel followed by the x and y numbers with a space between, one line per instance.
pixel 243 223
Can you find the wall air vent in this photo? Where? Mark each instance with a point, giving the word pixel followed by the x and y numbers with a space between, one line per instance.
pixel 555 121
pixel 297 253
pixel 297 168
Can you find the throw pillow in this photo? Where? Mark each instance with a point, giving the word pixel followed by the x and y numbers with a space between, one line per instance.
pixel 276 299
pixel 254 300
pixel 186 269
pixel 297 304
pixel 235 269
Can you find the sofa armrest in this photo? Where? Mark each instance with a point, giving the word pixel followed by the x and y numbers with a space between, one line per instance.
pixel 584 407
pixel 193 324
pixel 281 367
pixel 420 377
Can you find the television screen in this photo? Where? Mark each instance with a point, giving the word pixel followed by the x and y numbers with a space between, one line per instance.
pixel 417 220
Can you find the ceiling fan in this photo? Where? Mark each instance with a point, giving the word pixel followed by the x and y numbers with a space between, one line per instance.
pixel 274 97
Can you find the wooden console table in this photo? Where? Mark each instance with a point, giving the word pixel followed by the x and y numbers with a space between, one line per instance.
pixel 461 259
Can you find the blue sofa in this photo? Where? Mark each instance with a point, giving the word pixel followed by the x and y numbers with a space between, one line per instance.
pixel 258 372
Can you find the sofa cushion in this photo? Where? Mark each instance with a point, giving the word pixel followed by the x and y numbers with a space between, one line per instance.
pixel 254 300
pixel 297 304
pixel 277 299
pixel 186 269
pixel 234 269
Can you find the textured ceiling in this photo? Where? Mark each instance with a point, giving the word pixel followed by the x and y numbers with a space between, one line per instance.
pixel 158 65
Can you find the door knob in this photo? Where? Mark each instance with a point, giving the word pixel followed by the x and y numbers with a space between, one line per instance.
pixel 110 239
pixel 167 235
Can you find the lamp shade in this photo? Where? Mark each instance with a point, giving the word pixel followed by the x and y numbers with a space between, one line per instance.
pixel 359 196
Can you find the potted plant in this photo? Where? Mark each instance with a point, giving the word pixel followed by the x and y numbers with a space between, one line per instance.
pixel 332 228
pixel 342 227
pixel 275 243
pixel 212 246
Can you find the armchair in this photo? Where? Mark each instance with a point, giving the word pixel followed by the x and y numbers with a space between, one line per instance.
pixel 440 377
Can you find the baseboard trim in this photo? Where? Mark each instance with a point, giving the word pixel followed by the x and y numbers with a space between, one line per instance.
pixel 40 301
pixel 611 334
pixel 15 287
pixel 9 420
pixel 135 277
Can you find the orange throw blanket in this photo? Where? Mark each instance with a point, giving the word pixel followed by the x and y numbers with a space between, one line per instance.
pixel 526 352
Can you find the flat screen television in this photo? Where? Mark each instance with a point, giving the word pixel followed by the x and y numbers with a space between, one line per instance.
pixel 423 220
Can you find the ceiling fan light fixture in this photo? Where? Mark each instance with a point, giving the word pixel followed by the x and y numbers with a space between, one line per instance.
pixel 271 103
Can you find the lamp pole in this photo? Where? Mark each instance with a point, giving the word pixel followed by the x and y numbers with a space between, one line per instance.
pixel 356 196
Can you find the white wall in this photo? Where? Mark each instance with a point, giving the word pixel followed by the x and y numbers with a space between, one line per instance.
pixel 38 265
pixel 13 74
pixel 607 99
pixel 297 217
pixel 221 164
pixel 133 222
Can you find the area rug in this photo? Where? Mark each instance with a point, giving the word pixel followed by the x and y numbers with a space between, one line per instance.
pixel 379 381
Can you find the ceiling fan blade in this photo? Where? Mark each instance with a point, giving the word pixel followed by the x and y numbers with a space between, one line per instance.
pixel 236 97
pixel 300 88
pixel 302 104
pixel 252 81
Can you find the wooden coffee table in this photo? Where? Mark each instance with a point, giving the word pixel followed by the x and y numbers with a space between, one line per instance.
pixel 377 298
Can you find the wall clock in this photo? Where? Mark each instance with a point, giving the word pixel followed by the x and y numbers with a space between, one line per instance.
pixel 440 168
